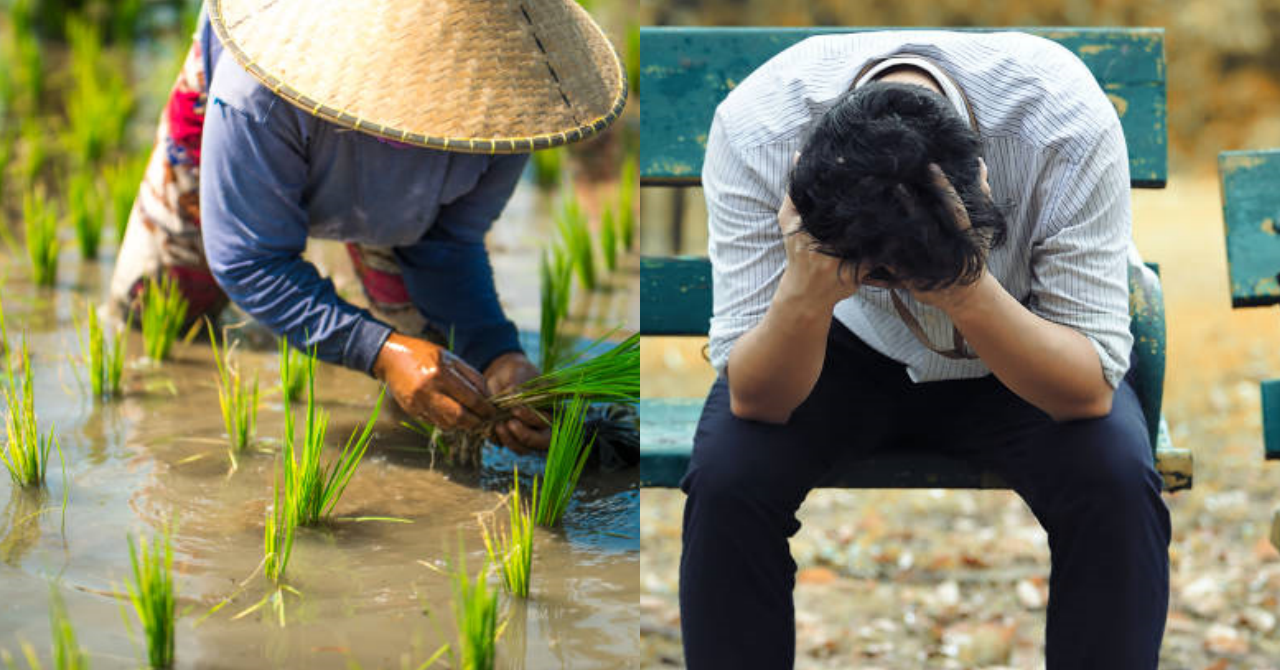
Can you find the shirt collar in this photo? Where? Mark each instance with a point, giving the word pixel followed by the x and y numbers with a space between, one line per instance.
pixel 949 87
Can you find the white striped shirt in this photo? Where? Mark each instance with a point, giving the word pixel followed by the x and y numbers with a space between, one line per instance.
pixel 1054 151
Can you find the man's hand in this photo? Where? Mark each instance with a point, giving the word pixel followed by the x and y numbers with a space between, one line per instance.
pixel 956 296
pixel 432 384
pixel 810 276
pixel 526 430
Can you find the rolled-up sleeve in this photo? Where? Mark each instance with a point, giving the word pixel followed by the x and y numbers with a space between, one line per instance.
pixel 743 192
pixel 252 175
pixel 1080 267
pixel 448 274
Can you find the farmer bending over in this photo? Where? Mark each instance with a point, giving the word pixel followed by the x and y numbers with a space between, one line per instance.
pixel 944 264
pixel 399 127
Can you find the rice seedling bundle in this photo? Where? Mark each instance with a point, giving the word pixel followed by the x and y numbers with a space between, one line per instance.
pixel 105 361
pixel 67 654
pixel 613 376
pixel 153 595
pixel 572 224
pixel 99 101
pixel 565 460
pixel 626 202
pixel 548 165
pixel 20 51
pixel 123 180
pixel 86 211
pixel 41 226
pixel 292 372
pixel 609 239
pixel 278 535
pixel 475 612
pixel 164 310
pixel 238 400
pixel 512 551
pixel 557 277
pixel 6 147
pixel 26 451
pixel 311 488
pixel 34 153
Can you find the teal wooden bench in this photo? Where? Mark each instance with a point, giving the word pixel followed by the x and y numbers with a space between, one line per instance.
pixel 688 71
pixel 1250 210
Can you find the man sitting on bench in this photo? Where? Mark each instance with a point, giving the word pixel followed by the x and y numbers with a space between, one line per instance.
pixel 922 238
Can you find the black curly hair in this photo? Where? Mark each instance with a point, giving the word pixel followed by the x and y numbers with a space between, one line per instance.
pixel 864 190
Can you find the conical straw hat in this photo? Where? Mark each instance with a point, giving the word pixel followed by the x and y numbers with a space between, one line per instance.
pixel 475 76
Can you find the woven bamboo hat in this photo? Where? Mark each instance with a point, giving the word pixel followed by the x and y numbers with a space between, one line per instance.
pixel 475 76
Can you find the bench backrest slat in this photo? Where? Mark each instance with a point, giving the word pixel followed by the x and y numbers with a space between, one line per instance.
pixel 688 71
pixel 1251 214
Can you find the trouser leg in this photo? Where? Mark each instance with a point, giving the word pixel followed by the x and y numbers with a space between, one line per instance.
pixel 1093 485
pixel 744 484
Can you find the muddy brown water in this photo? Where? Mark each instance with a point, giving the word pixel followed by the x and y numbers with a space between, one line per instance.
pixel 159 453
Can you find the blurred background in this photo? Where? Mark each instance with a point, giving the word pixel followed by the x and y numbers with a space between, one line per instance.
pixel 957 579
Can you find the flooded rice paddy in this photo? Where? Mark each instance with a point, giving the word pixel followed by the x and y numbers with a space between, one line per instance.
pixel 158 455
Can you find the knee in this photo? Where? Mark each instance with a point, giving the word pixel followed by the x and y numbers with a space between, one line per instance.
pixel 1108 460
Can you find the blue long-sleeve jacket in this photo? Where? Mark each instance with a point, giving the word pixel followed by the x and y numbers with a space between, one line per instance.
pixel 272 175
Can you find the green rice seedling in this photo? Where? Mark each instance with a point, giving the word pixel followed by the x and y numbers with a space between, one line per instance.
pixel 609 239
pixel 41 226
pixel 34 154
pixel 105 361
pixel 437 442
pixel 26 452
pixel 565 460
pixel 98 102
pixel 238 399
pixel 548 166
pixel 475 612
pixel 633 56
pixel 20 51
pixel 85 209
pixel 512 551
pixel 4 336
pixel 67 654
pixel 164 310
pixel 627 184
pixel 613 376
pixel 557 284
pixel 278 536
pixel 6 154
pixel 292 372
pixel 311 488
pixel 123 179
pixel 153 595
pixel 577 240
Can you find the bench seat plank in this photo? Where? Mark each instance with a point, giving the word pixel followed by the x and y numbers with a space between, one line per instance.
pixel 688 71
pixel 666 440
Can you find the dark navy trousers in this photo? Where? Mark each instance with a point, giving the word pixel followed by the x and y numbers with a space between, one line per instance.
pixel 1092 485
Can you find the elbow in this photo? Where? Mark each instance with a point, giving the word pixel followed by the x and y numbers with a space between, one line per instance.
pixel 1096 406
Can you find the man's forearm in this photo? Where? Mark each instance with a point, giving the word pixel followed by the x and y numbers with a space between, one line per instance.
pixel 1047 364
pixel 774 366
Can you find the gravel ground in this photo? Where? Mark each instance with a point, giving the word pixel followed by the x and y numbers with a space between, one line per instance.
pixel 957 579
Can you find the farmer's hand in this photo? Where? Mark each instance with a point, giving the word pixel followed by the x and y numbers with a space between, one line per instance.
pixel 958 295
pixel 432 384
pixel 810 276
pixel 526 430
